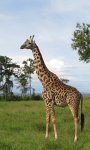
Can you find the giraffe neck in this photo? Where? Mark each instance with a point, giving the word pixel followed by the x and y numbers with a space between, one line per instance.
pixel 40 66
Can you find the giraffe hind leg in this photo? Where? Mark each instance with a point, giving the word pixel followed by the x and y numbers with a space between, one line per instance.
pixel 74 111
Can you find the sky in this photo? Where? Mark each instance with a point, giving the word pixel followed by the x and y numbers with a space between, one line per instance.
pixel 53 23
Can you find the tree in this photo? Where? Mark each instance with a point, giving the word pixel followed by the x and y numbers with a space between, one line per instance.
pixel 28 69
pixel 1 77
pixel 81 41
pixel 23 83
pixel 7 70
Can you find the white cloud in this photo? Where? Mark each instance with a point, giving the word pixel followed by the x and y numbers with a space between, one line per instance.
pixel 55 64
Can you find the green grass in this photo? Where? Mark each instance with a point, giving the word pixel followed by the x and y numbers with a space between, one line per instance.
pixel 22 127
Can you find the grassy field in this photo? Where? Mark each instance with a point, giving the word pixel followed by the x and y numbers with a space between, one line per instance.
pixel 22 127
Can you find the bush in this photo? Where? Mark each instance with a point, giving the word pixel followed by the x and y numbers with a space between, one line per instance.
pixel 36 97
pixel 20 98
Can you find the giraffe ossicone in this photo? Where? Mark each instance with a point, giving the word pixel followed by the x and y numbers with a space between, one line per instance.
pixel 55 92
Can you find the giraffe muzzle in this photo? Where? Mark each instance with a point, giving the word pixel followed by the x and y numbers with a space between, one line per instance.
pixel 22 47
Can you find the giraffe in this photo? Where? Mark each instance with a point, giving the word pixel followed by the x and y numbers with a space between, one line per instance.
pixel 55 92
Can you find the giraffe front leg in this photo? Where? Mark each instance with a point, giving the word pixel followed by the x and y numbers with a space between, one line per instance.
pixel 54 122
pixel 47 121
pixel 47 96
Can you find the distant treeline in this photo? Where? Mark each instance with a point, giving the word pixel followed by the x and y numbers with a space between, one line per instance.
pixel 35 97
pixel 12 74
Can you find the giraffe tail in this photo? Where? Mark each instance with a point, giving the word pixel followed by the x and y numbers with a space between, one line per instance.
pixel 82 115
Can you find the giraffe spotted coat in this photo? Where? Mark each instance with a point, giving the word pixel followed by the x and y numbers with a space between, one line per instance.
pixel 55 92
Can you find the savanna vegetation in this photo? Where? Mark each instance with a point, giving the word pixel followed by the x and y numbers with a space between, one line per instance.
pixel 22 127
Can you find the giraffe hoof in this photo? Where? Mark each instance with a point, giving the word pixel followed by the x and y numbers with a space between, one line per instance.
pixel 46 136
pixel 56 138
pixel 75 140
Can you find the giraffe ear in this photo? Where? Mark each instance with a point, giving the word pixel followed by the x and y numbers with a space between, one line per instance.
pixel 32 37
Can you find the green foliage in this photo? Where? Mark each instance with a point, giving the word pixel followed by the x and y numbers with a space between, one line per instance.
pixel 13 97
pixel 28 66
pixel 7 70
pixel 22 127
pixel 10 72
pixel 23 83
pixel 81 41
pixel 28 69
pixel 36 97
pixel 24 77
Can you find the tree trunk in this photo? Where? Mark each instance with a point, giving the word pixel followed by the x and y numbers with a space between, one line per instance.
pixel 30 84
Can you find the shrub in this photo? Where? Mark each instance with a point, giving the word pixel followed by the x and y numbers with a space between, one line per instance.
pixel 36 97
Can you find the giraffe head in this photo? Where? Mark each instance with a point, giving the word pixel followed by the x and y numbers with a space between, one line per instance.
pixel 29 43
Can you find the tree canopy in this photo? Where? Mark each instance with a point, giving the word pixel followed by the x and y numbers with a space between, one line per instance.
pixel 29 69
pixel 81 41
pixel 24 77
pixel 11 72
pixel 7 70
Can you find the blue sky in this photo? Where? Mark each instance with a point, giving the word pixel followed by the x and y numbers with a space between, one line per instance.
pixel 53 23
